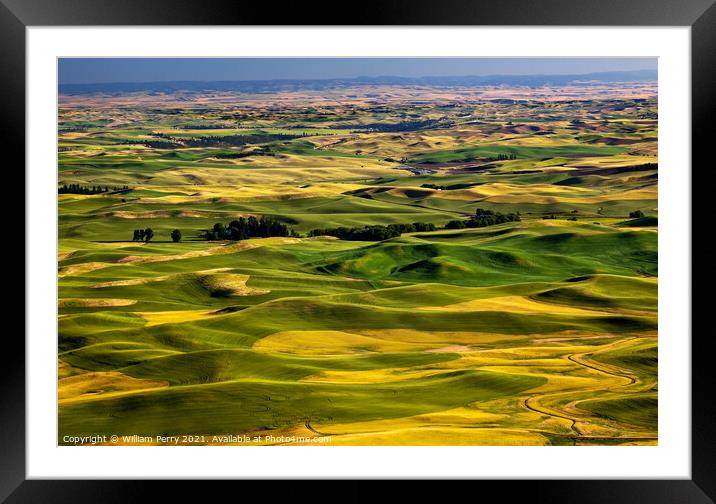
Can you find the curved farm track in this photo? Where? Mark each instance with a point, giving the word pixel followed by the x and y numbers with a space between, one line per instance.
pixel 568 412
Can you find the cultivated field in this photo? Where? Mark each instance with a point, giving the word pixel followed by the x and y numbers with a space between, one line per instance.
pixel 468 329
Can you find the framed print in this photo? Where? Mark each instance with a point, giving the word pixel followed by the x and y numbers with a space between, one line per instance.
pixel 425 245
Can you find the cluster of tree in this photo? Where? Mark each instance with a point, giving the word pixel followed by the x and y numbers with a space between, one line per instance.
pixel 250 227
pixel 263 150
pixel 484 218
pixel 415 227
pixel 450 187
pixel 367 233
pixel 144 235
pixel 79 189
pixel 226 140
pixel 155 144
pixel 504 157
pixel 637 214
pixel 232 155
pixel 554 217
pixel 373 233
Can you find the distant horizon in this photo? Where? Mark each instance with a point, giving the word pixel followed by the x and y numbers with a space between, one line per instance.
pixel 95 71
pixel 357 77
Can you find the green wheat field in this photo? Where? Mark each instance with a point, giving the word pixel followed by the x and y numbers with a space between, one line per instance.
pixel 359 265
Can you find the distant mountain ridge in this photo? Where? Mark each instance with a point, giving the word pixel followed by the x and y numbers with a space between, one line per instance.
pixel 294 84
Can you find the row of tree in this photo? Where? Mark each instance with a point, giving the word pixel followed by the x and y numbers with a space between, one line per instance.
pixel 266 226
pixel 484 218
pixel 373 233
pixel 226 140
pixel 146 235
pixel 250 227
pixel 80 189
pixel 554 217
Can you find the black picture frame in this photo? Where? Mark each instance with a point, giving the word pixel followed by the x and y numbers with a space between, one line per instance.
pixel 17 15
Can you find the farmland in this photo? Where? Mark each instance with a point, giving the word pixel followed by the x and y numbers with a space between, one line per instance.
pixel 456 327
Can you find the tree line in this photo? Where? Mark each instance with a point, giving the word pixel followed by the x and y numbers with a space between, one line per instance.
pixel 250 227
pixel 450 187
pixel 154 144
pixel 373 233
pixel 80 189
pixel 266 226
pixel 484 218
pixel 146 235
pixel 226 140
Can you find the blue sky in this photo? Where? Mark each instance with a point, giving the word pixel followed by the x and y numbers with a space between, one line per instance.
pixel 100 70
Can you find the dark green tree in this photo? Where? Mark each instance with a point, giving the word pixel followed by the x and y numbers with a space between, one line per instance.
pixel 455 224
pixel 176 235
pixel 243 228
pixel 148 234
pixel 219 231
